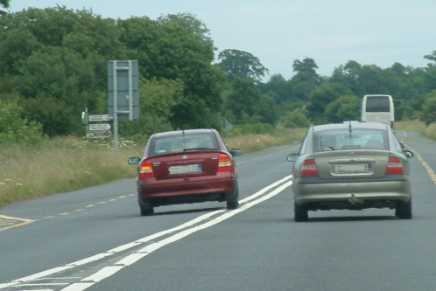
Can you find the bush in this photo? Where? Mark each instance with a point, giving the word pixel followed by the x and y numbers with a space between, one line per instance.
pixel 294 120
pixel 429 109
pixel 15 130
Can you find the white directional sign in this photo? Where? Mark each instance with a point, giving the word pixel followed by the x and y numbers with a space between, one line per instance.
pixel 101 117
pixel 99 134
pixel 99 126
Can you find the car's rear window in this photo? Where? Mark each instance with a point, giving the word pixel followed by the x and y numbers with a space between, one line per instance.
pixel 356 139
pixel 179 143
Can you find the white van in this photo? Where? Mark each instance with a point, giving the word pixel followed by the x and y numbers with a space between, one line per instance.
pixel 378 108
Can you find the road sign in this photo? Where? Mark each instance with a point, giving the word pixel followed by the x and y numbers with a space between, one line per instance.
pixel 123 85
pixel 99 134
pixel 101 117
pixel 227 125
pixel 99 126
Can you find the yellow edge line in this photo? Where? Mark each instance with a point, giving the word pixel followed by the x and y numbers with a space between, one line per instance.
pixel 424 164
pixel 25 221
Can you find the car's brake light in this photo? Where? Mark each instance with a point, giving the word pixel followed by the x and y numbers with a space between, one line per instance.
pixel 145 170
pixel 394 166
pixel 224 163
pixel 309 169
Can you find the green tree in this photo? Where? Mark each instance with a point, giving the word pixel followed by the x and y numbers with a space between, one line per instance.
pixel 348 76
pixel 294 119
pixel 429 108
pixel 243 99
pixel 236 63
pixel 430 70
pixel 278 88
pixel 305 81
pixel 267 109
pixel 4 4
pixel 14 129
pixel 57 57
pixel 318 102
pixel 343 108
pixel 61 79
pixel 172 48
pixel 156 98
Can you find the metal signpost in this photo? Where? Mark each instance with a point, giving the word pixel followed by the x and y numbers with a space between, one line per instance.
pixel 123 93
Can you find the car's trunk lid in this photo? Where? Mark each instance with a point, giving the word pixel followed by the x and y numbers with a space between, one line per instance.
pixel 351 164
pixel 185 165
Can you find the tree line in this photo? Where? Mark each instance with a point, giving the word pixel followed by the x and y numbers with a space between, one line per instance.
pixel 53 64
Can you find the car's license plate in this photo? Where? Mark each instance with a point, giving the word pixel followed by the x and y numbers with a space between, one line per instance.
pixel 185 169
pixel 353 168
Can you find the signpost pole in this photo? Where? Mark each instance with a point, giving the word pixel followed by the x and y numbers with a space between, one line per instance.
pixel 115 107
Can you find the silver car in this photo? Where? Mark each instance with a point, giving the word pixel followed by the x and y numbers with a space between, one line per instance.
pixel 352 166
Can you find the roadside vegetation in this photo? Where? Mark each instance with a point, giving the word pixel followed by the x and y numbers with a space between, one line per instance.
pixel 428 131
pixel 70 163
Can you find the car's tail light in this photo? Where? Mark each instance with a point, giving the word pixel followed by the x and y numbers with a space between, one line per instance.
pixel 224 163
pixel 394 166
pixel 145 170
pixel 309 169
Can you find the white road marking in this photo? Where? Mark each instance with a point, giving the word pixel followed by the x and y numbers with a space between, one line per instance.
pixel 180 231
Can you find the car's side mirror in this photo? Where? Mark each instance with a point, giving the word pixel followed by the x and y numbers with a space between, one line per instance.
pixel 408 153
pixel 134 161
pixel 402 145
pixel 236 152
pixel 292 158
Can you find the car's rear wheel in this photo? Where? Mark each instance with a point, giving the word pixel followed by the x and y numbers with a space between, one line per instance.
pixel 146 209
pixel 233 201
pixel 300 213
pixel 403 210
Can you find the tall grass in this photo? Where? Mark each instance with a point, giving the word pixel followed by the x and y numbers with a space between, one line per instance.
pixel 71 163
pixel 427 131
pixel 64 165
pixel 255 142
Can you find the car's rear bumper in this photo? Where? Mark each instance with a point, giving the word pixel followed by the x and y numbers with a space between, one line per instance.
pixel 186 191
pixel 356 194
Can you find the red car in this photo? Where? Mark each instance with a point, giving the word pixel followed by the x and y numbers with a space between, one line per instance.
pixel 186 166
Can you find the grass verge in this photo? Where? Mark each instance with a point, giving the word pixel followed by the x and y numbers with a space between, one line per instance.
pixel 70 163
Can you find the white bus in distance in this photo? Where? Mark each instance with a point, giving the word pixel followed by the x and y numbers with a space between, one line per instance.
pixel 378 108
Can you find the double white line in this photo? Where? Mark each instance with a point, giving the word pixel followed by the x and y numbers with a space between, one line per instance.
pixel 177 233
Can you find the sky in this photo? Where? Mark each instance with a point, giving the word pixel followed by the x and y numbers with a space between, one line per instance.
pixel 278 32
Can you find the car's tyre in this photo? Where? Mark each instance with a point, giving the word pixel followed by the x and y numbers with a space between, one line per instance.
pixel 403 210
pixel 233 201
pixel 146 209
pixel 300 213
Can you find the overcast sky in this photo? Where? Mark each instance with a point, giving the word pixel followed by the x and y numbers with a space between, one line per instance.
pixel 332 32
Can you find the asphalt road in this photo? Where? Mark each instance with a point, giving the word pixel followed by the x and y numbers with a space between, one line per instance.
pixel 95 239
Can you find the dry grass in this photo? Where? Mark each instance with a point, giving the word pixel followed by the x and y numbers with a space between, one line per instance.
pixel 68 164
pixel 255 142
pixel 427 131
pixel 72 164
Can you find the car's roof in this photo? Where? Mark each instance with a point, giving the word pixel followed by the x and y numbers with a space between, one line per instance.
pixel 182 132
pixel 353 124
